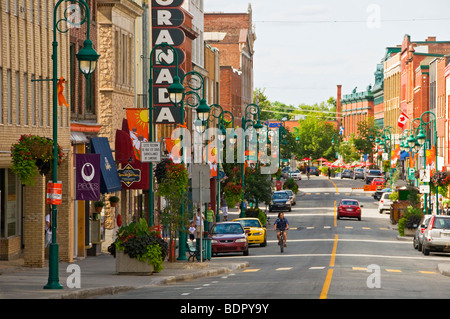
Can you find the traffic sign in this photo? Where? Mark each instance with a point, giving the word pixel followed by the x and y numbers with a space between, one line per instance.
pixel 150 152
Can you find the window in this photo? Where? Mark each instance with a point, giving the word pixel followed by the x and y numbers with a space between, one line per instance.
pixel 40 117
pixel 17 98
pixel 25 99
pixel 33 100
pixel 1 96
pixel 10 205
pixel 9 88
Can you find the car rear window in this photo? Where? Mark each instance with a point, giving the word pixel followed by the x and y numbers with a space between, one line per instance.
pixel 280 196
pixel 349 202
pixel 374 172
pixel 228 229
pixel 441 223
pixel 250 223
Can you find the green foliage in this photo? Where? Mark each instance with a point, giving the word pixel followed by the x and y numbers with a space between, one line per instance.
pixel 366 129
pixel 410 219
pixel 257 213
pixel 33 155
pixel 99 203
pixel 257 185
pixel 233 193
pixel 114 199
pixel 136 240
pixel 291 184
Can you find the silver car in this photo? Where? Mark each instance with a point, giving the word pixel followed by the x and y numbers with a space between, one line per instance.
pixel 436 237
pixel 358 173
pixel 418 235
pixel 291 196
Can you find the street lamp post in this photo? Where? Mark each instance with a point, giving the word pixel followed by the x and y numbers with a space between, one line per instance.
pixel 87 58
pixel 252 110
pixel 422 140
pixel 387 137
pixel 177 96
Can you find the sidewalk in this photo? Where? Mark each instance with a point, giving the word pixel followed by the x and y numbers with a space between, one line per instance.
pixel 98 277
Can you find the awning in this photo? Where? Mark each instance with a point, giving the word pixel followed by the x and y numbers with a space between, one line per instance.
pixel 404 155
pixel 109 181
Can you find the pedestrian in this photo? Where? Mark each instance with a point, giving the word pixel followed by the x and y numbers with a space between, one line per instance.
pixel 210 217
pixel 199 219
pixel 48 230
pixel 192 231
pixel 329 172
pixel 446 210
pixel 224 208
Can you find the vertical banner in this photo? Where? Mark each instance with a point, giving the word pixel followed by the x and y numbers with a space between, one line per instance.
pixel 138 126
pixel 87 177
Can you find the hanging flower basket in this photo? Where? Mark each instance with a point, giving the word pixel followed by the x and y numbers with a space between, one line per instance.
pixel 33 155
pixel 233 193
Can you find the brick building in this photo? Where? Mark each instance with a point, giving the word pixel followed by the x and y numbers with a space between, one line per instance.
pixel 26 30
pixel 391 74
pixel 234 35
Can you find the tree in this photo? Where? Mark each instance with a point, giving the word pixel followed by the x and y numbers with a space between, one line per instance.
pixel 367 132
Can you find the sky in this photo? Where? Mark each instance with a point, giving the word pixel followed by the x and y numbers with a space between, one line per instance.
pixel 304 49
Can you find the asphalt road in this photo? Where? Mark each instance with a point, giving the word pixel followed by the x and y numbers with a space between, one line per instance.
pixel 325 258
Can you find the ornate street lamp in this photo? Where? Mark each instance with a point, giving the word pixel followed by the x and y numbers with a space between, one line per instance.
pixel 87 57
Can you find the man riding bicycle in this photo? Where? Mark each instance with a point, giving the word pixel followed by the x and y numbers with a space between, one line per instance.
pixel 281 224
pixel 308 171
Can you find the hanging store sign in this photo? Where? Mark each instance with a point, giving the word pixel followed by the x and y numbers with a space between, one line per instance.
pixel 167 17
pixel 128 175
pixel 87 177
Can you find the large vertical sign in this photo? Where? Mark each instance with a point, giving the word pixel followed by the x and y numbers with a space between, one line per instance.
pixel 87 179
pixel 167 17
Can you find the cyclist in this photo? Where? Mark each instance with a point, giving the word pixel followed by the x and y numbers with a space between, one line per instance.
pixel 308 171
pixel 281 224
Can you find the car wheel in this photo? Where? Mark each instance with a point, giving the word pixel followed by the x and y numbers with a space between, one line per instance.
pixel 270 209
pixel 419 246
pixel 380 211
pixel 245 252
pixel 425 251
pixel 264 244
pixel 290 209
pixel 415 244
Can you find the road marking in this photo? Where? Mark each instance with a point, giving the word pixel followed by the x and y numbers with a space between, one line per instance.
pixel 427 272
pixel 251 270
pixel 286 268
pixel 349 227
pixel 185 293
pixel 393 270
pixel 327 227
pixel 366 228
pixel 316 268
pixel 359 268
pixel 337 191
pixel 310 227
pixel 326 284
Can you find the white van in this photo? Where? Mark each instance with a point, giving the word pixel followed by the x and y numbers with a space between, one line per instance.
pixel 385 203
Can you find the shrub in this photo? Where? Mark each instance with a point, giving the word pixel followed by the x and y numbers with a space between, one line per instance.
pixel 410 219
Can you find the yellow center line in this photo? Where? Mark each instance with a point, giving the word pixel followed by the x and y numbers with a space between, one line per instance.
pixel 326 285
pixel 334 186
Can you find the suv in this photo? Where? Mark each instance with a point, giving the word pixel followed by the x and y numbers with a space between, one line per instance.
pixel 291 196
pixel 280 200
pixel 418 236
pixel 436 237
pixel 385 203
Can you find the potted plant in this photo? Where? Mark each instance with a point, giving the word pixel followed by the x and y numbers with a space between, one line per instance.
pixel 98 206
pixel 113 200
pixel 138 250
pixel 409 221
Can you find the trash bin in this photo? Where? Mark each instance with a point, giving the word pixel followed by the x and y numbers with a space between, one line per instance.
pixel 197 247
pixel 207 245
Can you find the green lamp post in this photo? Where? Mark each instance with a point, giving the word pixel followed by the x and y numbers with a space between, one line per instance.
pixel 87 58
pixel 178 94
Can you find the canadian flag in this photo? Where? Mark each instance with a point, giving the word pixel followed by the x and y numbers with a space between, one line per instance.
pixel 402 119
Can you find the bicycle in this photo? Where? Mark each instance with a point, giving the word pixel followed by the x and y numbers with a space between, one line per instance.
pixel 281 241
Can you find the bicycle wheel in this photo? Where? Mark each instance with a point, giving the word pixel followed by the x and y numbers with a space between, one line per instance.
pixel 281 242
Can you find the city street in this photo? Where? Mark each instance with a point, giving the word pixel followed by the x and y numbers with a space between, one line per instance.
pixel 325 258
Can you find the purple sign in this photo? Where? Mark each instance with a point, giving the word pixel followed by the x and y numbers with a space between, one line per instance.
pixel 87 178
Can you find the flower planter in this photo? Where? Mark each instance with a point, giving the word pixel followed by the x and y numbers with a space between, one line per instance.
pixel 409 232
pixel 127 265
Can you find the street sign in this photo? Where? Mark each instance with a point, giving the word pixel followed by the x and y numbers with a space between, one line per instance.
pixel 150 152
pixel 411 172
pixel 200 183
pixel 424 189
pixel 425 175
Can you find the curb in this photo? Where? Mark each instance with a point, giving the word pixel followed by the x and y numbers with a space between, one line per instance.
pixel 112 290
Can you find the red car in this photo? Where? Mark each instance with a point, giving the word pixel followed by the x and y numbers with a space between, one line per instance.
pixel 229 237
pixel 378 182
pixel 349 208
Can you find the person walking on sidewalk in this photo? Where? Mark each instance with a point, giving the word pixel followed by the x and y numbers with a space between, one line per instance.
pixel 329 172
pixel 210 217
pixel 199 220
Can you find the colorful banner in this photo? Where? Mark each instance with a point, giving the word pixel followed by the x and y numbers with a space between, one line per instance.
pixel 138 126
pixel 87 177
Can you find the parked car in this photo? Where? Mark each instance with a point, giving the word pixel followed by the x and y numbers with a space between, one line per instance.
pixel 418 235
pixel 379 182
pixel 385 203
pixel 291 196
pixel 314 171
pixel 347 173
pixel 257 232
pixel 280 201
pixel 371 174
pixel 358 173
pixel 379 192
pixel 349 208
pixel 295 175
pixel 436 236
pixel 229 237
